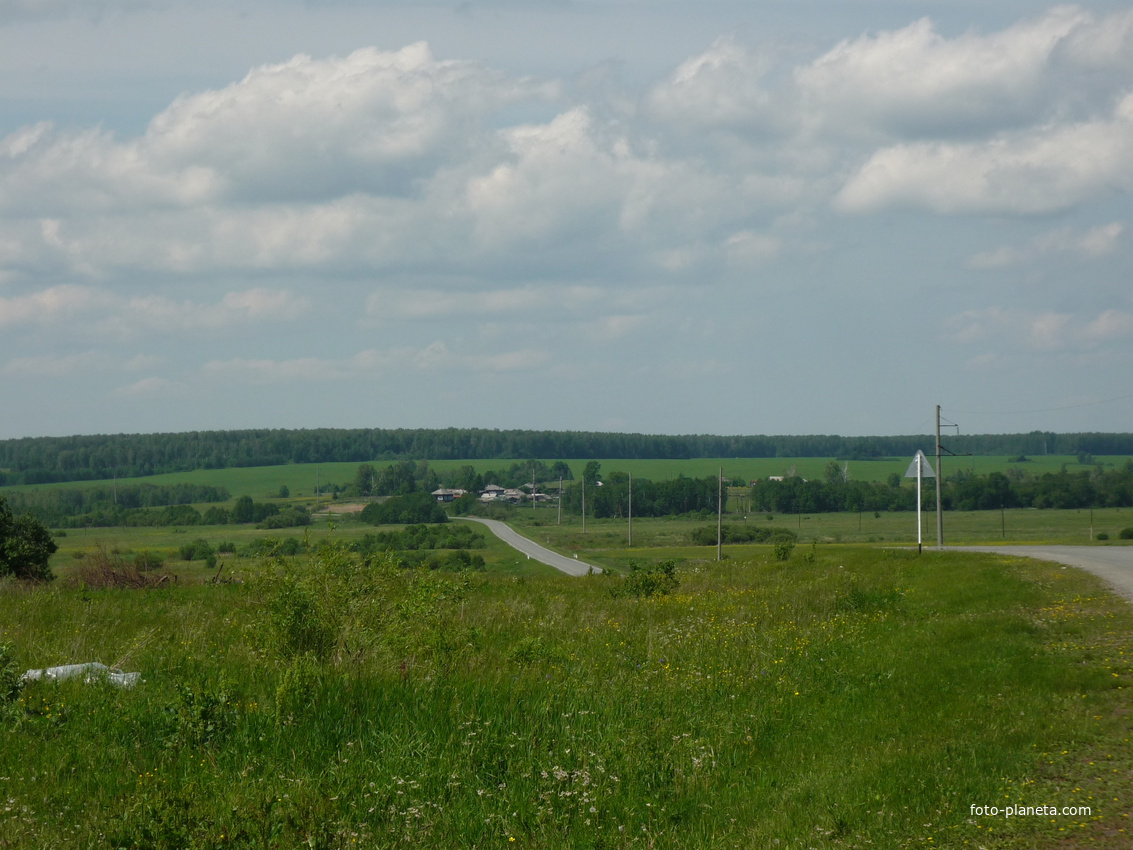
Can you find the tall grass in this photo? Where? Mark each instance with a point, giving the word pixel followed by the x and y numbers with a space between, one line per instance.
pixel 848 698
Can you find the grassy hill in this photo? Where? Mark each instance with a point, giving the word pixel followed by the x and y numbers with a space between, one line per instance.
pixel 848 697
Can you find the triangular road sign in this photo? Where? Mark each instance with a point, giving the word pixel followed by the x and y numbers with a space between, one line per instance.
pixel 926 469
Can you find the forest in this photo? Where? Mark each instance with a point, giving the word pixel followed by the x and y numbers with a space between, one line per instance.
pixel 42 460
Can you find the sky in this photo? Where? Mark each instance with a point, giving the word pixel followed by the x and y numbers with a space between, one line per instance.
pixel 668 217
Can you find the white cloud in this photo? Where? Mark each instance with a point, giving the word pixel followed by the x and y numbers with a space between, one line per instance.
pixel 1091 244
pixel 914 80
pixel 434 304
pixel 1039 331
pixel 90 308
pixel 1037 171
pixel 58 365
pixel 721 87
pixel 151 388
pixel 51 305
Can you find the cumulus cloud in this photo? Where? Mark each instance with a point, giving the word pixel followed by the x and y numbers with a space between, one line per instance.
pixel 1035 171
pixel 723 86
pixel 916 81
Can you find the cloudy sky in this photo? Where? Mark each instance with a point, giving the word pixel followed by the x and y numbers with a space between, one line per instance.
pixel 674 216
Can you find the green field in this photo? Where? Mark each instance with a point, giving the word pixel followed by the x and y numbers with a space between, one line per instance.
pixel 849 698
pixel 264 482
pixel 606 541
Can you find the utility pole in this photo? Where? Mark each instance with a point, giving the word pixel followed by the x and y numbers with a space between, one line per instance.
pixel 939 478
pixel 560 522
pixel 629 541
pixel 720 515
pixel 584 503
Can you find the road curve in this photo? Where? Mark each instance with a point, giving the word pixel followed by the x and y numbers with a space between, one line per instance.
pixel 570 566
pixel 1114 564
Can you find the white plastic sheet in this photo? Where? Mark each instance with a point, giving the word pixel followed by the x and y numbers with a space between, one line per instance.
pixel 91 671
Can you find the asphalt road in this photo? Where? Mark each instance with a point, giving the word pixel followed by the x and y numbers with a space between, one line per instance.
pixel 1114 564
pixel 570 566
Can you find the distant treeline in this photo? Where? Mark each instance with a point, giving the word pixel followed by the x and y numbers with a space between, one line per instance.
pixel 149 505
pixel 40 460
pixel 57 507
pixel 961 491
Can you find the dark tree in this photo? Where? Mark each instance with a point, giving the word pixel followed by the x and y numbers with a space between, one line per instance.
pixel 25 546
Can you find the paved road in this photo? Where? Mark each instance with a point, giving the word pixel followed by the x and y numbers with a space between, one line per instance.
pixel 1114 564
pixel 570 566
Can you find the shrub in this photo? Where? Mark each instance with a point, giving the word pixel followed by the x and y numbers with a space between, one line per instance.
pixel 705 535
pixel 11 683
pixel 783 547
pixel 644 582
pixel 198 550
pixel 298 689
pixel 1126 534
pixel 146 560
pixel 300 621
pixel 1101 535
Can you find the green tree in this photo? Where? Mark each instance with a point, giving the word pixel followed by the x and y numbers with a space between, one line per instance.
pixel 364 480
pixel 243 510
pixel 25 546
pixel 592 472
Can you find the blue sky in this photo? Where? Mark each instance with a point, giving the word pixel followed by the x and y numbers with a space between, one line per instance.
pixel 667 217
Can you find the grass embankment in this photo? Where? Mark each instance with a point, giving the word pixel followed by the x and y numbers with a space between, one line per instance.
pixel 853 698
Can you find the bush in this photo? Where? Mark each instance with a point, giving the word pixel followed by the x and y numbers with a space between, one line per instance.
pixel 783 547
pixel 11 681
pixel 146 560
pixel 289 518
pixel 644 582
pixel 705 535
pixel 298 689
pixel 1101 535
pixel 1126 534
pixel 198 550
pixel 301 621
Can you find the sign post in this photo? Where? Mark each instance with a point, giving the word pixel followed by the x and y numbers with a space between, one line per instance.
pixel 919 469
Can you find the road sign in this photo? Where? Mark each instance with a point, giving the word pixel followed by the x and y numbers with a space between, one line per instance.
pixel 925 470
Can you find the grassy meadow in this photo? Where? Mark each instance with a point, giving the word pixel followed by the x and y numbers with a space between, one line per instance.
pixel 848 697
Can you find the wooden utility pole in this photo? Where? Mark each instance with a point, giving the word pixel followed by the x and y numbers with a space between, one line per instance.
pixel 939 478
pixel 720 515
pixel 630 512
